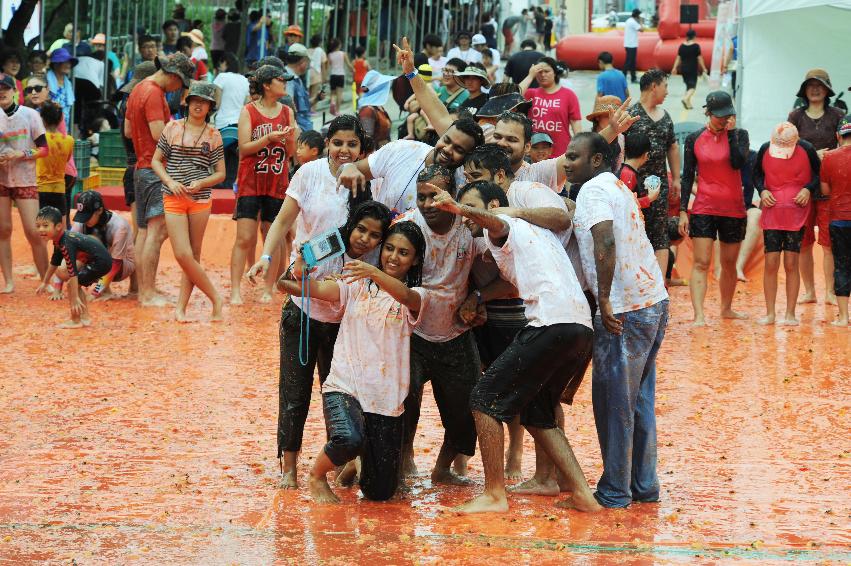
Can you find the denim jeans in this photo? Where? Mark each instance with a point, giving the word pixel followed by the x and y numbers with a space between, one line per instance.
pixel 623 390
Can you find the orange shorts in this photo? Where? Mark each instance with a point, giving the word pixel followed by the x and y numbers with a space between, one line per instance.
pixel 184 206
pixel 819 217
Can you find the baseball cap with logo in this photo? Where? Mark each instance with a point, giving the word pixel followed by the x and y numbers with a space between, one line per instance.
pixel 88 202
pixel 177 64
pixel 784 138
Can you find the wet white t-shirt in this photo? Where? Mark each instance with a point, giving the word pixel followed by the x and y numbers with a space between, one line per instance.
pixel 398 163
pixel 544 172
pixel 534 260
pixel 638 282
pixel 372 355
pixel 324 206
pixel 446 270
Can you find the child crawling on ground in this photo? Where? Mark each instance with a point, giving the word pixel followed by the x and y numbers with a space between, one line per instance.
pixel 78 259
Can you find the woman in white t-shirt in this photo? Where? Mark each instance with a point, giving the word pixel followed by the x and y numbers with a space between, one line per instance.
pixel 234 91
pixel 364 395
pixel 318 65
pixel 315 204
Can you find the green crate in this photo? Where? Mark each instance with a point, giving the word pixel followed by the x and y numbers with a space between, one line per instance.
pixel 111 152
pixel 83 158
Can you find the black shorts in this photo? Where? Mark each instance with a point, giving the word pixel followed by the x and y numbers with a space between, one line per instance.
pixel 690 79
pixel 54 199
pixel 783 240
pixel 725 228
pixel 266 207
pixel 529 377
pixel 129 187
pixel 506 317
pixel 656 221
pixel 91 272
pixel 337 81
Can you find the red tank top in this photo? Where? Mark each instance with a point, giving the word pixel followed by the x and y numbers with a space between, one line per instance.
pixel 264 173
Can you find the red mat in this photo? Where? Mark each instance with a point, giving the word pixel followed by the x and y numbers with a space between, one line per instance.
pixel 224 200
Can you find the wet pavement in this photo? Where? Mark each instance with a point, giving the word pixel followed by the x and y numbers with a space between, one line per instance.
pixel 141 440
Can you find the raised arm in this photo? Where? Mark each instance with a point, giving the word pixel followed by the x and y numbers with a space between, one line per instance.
pixel 429 102
pixel 620 120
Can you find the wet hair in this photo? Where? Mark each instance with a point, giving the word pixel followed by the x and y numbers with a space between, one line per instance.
pixel 315 41
pixel 432 40
pixel 50 213
pixel 145 38
pixel 169 23
pixel 184 42
pixel 491 158
pixel 333 44
pixel 605 57
pixel 636 145
pixel 597 144
pixel 488 191
pixel 347 123
pixel 558 70
pixel 414 234
pixel 231 60
pixel 435 171
pixel 312 139
pixel 459 64
pixel 360 50
pixel 471 128
pixel 501 89
pixel 366 209
pixel 652 78
pixel 518 118
pixel 528 43
pixel 691 34
pixel 51 114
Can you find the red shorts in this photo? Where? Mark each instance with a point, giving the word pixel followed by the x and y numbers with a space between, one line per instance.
pixel 819 217
pixel 508 35
pixel 19 193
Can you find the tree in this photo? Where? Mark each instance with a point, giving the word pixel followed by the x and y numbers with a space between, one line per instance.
pixel 14 36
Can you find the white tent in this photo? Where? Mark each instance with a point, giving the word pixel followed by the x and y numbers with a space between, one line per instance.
pixel 779 41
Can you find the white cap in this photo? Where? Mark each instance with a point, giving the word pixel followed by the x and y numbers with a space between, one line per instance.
pixel 478 39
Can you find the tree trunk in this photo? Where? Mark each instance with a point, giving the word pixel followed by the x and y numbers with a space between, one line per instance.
pixel 14 36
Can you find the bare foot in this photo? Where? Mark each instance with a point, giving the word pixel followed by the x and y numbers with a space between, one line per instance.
pixel 830 300
pixel 789 321
pixel 484 503
pixel 180 316
pixel 105 296
pixel 839 322
pixel 585 504
pixel 236 298
pixel 449 477
pixel 409 468
pixel 69 324
pixel 535 487
pixel 266 297
pixel 459 465
pixel 807 298
pixel 699 321
pixel 288 481
pixel 9 287
pixel 731 314
pixel 154 301
pixel 218 304
pixel 766 320
pixel 513 466
pixel 321 491
pixel 740 275
pixel 347 476
pixel 86 320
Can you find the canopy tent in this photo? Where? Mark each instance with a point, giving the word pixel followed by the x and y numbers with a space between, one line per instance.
pixel 778 43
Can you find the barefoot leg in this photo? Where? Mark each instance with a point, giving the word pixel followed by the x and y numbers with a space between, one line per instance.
pixel 442 472
pixel 318 482
pixel 514 455
pixel 699 271
pixel 491 445
pixel 289 480
pixel 793 285
pixel 727 283
pixel 555 444
pixel 769 286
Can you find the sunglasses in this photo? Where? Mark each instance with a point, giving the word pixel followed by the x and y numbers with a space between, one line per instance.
pixel 31 89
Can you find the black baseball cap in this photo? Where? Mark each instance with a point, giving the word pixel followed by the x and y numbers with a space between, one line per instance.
pixel 636 13
pixel 88 202
pixel 720 104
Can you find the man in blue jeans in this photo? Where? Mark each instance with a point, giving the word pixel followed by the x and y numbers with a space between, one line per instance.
pixel 622 271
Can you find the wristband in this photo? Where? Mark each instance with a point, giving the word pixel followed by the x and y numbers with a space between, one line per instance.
pixel 267 257
pixel 412 74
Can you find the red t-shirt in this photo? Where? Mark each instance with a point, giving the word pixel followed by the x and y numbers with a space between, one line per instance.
pixel 719 191
pixel 265 173
pixel 785 178
pixel 836 172
pixel 146 104
pixel 200 69
pixel 552 113
pixel 630 178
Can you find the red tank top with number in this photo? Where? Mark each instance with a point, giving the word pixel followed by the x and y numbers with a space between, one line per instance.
pixel 265 173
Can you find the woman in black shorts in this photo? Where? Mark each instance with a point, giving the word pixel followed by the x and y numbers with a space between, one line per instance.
pixel 689 64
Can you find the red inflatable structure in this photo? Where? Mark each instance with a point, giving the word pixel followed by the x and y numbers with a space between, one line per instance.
pixel 655 49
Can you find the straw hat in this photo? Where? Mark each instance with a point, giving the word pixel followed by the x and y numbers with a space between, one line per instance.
pixel 602 106
pixel 196 35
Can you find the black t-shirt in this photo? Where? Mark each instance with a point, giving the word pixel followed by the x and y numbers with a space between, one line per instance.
pixel 688 58
pixel 474 104
pixel 230 33
pixel 74 247
pixel 519 64
pixel 420 59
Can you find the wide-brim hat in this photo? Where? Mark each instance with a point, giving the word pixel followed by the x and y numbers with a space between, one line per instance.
pixel 177 64
pixel 376 89
pixel 473 72
pixel 602 106
pixel 141 72
pixel 819 75
pixel 498 104
pixel 196 35
pixel 62 55
pixel 294 30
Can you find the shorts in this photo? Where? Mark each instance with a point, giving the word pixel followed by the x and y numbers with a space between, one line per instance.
pixel 337 81
pixel 506 317
pixel 129 193
pixel 783 240
pixel 19 193
pixel 56 200
pixel 656 221
pixel 674 230
pixel 727 229
pixel 690 79
pixel 819 216
pixel 149 196
pixel 264 206
pixel 184 206
pixel 91 272
pixel 508 35
pixel 529 377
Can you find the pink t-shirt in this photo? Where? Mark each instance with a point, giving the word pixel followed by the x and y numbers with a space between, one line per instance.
pixel 372 355
pixel 18 132
pixel 719 186
pixel 552 113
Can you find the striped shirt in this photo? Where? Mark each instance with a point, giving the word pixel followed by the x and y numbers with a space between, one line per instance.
pixel 190 157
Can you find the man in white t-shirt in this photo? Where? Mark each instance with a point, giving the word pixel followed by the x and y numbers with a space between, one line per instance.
pixel 625 277
pixel 529 377
pixel 443 349
pixel 463 49
pixel 630 42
